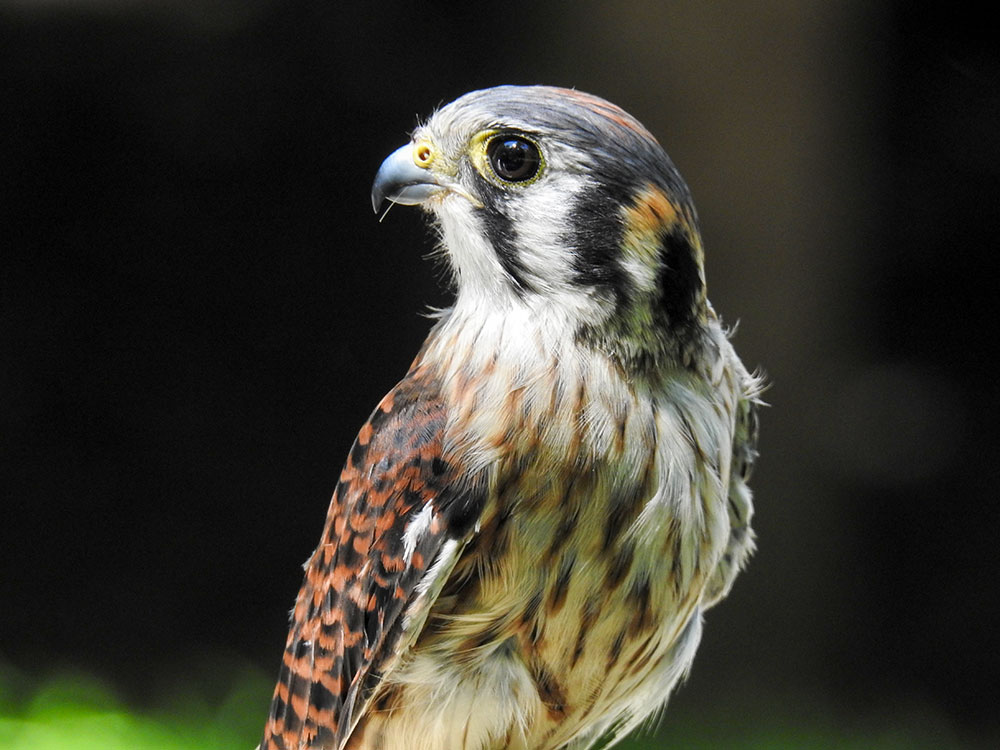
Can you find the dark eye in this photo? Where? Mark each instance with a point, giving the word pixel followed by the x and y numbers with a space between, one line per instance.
pixel 513 158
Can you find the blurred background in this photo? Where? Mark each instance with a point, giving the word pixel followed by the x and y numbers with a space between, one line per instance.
pixel 198 309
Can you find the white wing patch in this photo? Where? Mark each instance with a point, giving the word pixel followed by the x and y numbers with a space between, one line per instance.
pixel 430 585
pixel 415 529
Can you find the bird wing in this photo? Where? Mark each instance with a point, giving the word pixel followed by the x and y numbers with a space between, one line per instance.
pixel 399 518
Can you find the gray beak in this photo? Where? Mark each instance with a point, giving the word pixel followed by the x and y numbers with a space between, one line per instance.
pixel 401 181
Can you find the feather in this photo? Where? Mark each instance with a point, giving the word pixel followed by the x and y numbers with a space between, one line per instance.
pixel 397 522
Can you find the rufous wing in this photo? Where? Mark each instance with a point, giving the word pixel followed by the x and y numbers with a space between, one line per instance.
pixel 398 521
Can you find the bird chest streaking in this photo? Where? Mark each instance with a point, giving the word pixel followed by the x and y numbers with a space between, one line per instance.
pixel 529 527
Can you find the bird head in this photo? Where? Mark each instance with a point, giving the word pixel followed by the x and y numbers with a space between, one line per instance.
pixel 560 202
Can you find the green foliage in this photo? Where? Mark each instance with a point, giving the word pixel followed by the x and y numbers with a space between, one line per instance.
pixel 221 705
pixel 77 712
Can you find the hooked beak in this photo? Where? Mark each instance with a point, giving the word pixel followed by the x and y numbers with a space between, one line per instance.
pixel 401 180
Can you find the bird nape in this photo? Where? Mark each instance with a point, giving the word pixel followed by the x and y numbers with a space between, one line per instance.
pixel 529 527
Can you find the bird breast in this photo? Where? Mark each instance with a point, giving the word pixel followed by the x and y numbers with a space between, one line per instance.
pixel 579 594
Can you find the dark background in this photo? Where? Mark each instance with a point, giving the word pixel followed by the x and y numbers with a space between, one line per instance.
pixel 198 309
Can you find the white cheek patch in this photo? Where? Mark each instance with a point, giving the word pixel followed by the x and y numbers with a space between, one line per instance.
pixel 479 272
pixel 541 216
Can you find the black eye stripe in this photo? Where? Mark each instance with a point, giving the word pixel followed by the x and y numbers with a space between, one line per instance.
pixel 513 158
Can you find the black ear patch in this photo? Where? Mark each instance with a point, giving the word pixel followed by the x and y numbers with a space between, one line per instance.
pixel 679 277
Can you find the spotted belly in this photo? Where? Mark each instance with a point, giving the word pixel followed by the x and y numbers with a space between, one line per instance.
pixel 572 613
pixel 575 607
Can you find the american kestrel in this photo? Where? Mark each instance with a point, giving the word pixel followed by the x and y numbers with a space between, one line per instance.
pixel 530 525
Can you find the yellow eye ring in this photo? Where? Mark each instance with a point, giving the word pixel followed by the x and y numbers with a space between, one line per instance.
pixel 508 158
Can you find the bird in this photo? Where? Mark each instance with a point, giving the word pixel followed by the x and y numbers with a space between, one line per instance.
pixel 529 528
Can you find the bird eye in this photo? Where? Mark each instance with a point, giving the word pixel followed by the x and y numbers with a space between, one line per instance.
pixel 513 158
